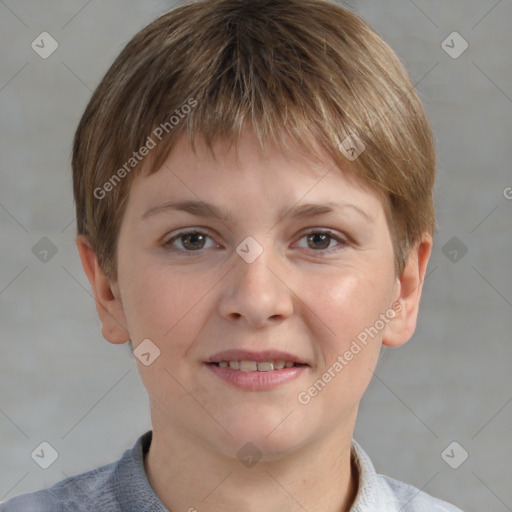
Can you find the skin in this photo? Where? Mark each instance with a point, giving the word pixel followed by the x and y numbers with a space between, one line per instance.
pixel 306 297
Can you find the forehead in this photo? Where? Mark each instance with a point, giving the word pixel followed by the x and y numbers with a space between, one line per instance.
pixel 268 159
pixel 227 180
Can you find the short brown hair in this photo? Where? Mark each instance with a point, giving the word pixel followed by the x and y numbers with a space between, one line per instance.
pixel 309 69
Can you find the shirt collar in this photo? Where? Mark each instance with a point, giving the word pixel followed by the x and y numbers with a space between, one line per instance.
pixel 140 496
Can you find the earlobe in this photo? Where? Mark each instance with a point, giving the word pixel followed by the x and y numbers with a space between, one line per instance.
pixel 106 297
pixel 410 285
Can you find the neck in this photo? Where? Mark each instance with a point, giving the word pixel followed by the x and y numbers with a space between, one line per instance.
pixel 187 476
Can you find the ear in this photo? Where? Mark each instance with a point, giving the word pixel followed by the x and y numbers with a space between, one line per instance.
pixel 407 300
pixel 106 295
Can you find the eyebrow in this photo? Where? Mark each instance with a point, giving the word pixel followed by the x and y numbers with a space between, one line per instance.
pixel 204 209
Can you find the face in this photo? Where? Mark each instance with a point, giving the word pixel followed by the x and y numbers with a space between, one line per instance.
pixel 265 285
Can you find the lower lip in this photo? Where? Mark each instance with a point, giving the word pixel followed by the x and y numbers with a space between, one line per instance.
pixel 257 381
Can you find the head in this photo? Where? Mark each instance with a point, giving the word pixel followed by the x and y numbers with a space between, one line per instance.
pixel 253 107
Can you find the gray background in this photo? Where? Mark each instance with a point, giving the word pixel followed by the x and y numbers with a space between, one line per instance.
pixel 60 382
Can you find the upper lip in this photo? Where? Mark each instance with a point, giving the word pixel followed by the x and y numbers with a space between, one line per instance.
pixel 258 356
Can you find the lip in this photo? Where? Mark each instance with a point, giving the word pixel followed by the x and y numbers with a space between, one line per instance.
pixel 259 357
pixel 256 380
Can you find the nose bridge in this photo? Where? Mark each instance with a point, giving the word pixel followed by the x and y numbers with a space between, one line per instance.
pixel 255 290
pixel 255 262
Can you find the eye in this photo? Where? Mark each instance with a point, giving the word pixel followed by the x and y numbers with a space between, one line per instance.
pixel 321 240
pixel 191 241
pixel 194 241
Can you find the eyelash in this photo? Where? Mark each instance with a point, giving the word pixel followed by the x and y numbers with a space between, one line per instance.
pixel 342 242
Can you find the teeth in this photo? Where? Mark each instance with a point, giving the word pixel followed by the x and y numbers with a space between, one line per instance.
pixel 254 366
pixel 248 366
pixel 265 366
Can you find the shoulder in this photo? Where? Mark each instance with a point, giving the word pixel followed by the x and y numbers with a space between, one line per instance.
pixel 78 493
pixel 380 492
pixel 114 487
pixel 413 499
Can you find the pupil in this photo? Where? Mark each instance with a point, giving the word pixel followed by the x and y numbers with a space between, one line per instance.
pixel 324 237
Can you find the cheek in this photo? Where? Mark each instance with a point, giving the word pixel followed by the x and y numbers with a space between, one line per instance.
pixel 166 304
pixel 347 302
pixel 346 310
pixel 161 302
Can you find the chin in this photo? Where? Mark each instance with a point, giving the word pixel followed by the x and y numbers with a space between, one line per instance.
pixel 272 433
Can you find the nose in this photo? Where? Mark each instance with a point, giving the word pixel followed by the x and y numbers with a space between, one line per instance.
pixel 256 293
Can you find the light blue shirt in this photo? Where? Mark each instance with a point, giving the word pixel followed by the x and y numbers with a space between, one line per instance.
pixel 123 486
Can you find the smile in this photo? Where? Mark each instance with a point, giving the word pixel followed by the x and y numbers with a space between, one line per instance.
pixel 256 366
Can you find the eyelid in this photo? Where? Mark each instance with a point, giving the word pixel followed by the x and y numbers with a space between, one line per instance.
pixel 186 231
pixel 343 240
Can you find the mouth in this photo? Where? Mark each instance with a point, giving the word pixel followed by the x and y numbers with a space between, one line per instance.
pixel 256 366
pixel 256 371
